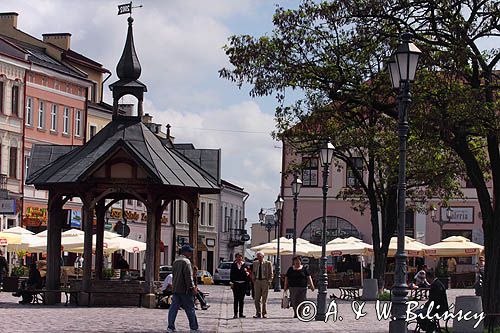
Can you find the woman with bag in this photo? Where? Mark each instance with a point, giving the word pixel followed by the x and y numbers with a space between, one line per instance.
pixel 238 278
pixel 296 280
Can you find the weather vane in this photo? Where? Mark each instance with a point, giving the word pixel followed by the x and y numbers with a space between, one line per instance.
pixel 127 8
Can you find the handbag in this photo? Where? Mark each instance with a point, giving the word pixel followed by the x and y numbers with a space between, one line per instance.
pixel 285 301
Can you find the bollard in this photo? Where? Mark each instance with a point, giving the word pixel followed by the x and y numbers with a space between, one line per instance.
pixel 472 304
pixel 370 290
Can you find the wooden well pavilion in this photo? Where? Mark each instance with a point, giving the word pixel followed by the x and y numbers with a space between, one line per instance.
pixel 125 160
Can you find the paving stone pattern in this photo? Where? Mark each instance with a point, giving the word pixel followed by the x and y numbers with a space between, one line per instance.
pixel 218 318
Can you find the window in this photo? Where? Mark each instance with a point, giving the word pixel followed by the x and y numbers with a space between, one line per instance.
pixel 180 211
pixel 202 214
pixel 15 101
pixel 310 171
pixel 1 96
pixel 210 212
pixel 26 167
pixel 410 224
pixel 130 202
pixel 93 130
pixel 13 162
pixel 139 204
pixel 29 111
pixel 53 118
pixel 226 220
pixel 45 82
pixel 231 218
pixel 66 120
pixel 352 181
pixel 78 122
pixel 41 115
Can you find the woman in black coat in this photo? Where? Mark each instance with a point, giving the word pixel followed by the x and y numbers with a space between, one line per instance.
pixel 238 278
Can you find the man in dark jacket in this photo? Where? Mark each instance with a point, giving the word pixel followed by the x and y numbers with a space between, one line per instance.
pixel 183 289
pixel 4 267
pixel 437 302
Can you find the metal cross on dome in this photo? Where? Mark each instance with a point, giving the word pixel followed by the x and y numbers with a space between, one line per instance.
pixel 127 8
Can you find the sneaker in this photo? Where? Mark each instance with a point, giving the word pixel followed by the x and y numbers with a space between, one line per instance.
pixel 242 316
pixel 264 316
pixel 205 307
pixel 169 330
pixel 257 316
pixel 235 317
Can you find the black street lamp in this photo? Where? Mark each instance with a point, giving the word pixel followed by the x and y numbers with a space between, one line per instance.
pixel 296 186
pixel 266 223
pixel 441 222
pixel 402 68
pixel 326 157
pixel 279 206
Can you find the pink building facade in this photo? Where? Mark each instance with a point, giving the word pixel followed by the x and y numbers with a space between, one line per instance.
pixel 343 221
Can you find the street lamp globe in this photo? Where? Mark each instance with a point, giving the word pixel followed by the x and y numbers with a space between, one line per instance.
pixel 403 64
pixel 278 204
pixel 326 153
pixel 262 216
pixel 448 213
pixel 433 212
pixel 296 185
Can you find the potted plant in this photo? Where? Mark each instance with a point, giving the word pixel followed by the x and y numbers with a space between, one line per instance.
pixel 108 273
pixel 11 283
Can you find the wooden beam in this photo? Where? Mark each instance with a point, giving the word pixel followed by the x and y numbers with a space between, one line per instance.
pixel 88 218
pixel 53 279
pixel 99 258
pixel 193 216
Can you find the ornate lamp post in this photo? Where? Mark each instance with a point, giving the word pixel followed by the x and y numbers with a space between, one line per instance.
pixel 326 157
pixel 296 186
pixel 278 204
pixel 266 223
pixel 441 222
pixel 402 68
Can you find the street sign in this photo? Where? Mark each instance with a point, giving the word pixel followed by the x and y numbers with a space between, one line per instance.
pixel 336 253
pixel 3 242
pixel 7 206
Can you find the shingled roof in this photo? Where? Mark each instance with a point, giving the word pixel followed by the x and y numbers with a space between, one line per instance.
pixel 53 164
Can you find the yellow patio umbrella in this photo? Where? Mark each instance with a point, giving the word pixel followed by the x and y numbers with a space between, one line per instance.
pixel 454 246
pixel 413 248
pixel 344 246
pixel 9 239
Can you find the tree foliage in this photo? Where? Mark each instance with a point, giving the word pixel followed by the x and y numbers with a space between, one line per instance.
pixel 334 54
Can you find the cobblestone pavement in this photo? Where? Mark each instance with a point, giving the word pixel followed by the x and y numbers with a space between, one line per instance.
pixel 218 318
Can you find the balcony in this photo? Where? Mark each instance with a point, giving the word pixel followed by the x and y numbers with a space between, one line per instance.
pixel 237 237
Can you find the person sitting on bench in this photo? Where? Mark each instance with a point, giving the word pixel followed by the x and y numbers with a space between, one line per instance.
pixel 34 282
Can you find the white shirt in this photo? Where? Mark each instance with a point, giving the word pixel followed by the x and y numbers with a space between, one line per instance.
pixel 167 281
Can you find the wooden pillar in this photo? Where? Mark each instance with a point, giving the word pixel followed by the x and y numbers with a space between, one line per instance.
pixel 53 277
pixel 100 213
pixel 88 218
pixel 159 213
pixel 193 217
pixel 150 248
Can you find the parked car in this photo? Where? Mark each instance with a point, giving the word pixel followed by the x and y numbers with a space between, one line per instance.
pixel 204 277
pixel 164 271
pixel 222 273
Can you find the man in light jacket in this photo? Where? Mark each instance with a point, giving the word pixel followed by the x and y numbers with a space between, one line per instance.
pixel 262 276
pixel 183 289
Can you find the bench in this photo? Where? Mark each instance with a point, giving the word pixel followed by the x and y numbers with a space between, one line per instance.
pixel 420 294
pixel 347 293
pixel 140 293
pixel 39 295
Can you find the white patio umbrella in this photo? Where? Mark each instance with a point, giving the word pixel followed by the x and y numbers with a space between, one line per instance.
pixel 68 243
pixel 413 248
pixel 344 246
pixel 26 241
pixel 18 231
pixel 286 247
pixel 9 238
pixel 454 246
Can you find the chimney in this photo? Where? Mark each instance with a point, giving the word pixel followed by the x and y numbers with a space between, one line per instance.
pixel 168 131
pixel 8 20
pixel 146 119
pixel 62 39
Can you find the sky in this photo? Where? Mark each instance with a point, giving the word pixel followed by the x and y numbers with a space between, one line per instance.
pixel 179 44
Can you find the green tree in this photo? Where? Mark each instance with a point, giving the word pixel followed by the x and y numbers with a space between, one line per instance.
pixel 334 53
pixel 315 49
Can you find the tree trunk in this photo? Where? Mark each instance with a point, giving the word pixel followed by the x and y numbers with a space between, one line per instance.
pixel 491 283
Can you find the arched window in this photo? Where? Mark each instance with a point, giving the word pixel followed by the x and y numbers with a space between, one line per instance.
pixel 335 227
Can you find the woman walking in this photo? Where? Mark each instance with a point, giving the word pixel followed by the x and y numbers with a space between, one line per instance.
pixel 239 278
pixel 296 280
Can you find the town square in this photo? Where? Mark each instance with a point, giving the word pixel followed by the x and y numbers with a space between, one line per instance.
pixel 250 166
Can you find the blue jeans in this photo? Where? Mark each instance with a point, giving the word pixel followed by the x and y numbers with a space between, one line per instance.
pixel 187 302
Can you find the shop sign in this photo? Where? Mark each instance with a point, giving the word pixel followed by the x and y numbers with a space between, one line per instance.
pixel 76 218
pixel 36 214
pixel 7 206
pixel 459 214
